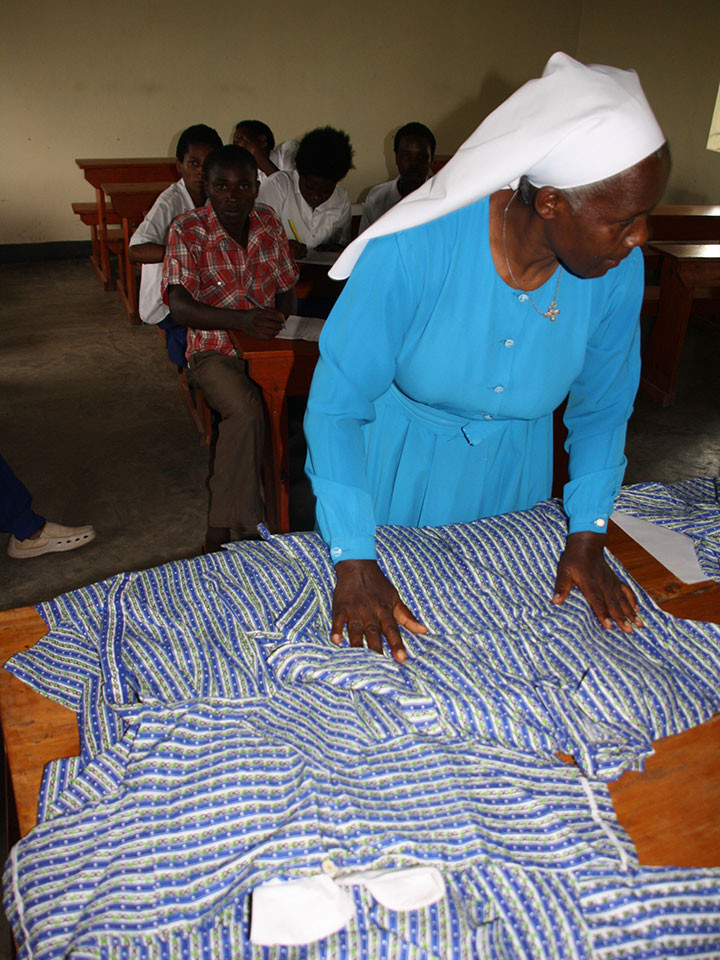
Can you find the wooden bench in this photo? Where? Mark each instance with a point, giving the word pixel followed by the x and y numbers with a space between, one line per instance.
pixel 130 202
pixel 120 170
pixel 88 213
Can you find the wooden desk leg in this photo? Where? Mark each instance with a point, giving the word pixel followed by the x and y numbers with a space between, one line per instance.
pixel 272 377
pixel 95 258
pixel 105 270
pixel 662 354
pixel 130 299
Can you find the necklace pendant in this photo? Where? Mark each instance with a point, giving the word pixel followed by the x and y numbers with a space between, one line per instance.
pixel 552 312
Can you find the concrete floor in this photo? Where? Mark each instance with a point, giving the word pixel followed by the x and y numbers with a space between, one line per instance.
pixel 94 424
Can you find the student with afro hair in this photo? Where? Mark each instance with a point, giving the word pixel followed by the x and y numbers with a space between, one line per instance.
pixel 314 209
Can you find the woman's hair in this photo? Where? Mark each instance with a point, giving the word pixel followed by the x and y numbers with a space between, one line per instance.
pixel 578 196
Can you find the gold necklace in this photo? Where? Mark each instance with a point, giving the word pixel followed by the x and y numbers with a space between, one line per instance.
pixel 553 310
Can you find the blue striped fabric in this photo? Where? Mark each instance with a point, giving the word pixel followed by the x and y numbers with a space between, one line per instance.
pixel 226 741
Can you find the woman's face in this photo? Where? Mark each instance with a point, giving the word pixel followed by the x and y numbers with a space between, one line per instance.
pixel 596 236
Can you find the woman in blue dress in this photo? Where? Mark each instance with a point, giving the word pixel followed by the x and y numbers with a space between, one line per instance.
pixel 467 320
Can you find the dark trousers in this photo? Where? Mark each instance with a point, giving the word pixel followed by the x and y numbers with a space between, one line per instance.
pixel 236 482
pixel 16 515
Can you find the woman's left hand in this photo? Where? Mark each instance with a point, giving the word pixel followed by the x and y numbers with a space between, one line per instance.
pixel 582 564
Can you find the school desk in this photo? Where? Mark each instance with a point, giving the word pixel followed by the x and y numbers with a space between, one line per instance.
pixel 117 170
pixel 282 369
pixel 670 810
pixel 685 223
pixel 130 202
pixel 685 266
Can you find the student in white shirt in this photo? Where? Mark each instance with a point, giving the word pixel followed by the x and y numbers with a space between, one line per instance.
pixel 258 139
pixel 147 245
pixel 414 154
pixel 309 198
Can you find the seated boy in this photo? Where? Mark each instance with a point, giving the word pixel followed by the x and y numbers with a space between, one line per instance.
pixel 147 245
pixel 228 267
pixel 414 153
pixel 315 211
pixel 258 139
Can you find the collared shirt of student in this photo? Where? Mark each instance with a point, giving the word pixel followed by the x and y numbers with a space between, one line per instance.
pixel 202 257
pixel 327 223
pixel 171 203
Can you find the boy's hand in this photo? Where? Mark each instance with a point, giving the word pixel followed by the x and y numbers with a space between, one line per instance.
pixel 262 323
pixel 298 250
pixel 252 146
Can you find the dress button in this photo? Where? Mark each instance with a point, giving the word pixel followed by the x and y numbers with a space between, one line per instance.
pixel 336 552
pixel 487 416
pixel 509 342
pixel 328 867
pixel 599 522
pixel 498 389
pixel 523 297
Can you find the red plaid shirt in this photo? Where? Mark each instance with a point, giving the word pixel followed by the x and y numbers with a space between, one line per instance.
pixel 202 257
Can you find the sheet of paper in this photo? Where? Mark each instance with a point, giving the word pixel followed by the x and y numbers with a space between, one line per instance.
pixel 325 257
pixel 301 328
pixel 674 550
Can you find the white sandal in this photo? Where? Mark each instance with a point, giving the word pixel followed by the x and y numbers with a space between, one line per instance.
pixel 54 538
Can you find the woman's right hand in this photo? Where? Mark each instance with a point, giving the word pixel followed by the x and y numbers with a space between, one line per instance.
pixel 369 604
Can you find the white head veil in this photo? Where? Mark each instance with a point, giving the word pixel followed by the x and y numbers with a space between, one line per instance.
pixel 574 125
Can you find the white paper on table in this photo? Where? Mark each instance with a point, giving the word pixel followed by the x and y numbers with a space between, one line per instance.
pixel 301 328
pixel 674 550
pixel 324 257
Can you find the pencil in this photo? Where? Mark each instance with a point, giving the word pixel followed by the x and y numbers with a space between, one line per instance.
pixel 292 227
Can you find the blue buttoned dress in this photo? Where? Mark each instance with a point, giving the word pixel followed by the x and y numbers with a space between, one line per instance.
pixel 433 397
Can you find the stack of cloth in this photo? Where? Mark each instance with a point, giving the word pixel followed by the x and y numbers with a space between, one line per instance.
pixel 246 789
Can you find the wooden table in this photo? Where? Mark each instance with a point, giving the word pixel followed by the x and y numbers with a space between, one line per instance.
pixel 684 266
pixel 671 811
pixel 282 369
pixel 120 170
pixel 130 202
pixel 685 223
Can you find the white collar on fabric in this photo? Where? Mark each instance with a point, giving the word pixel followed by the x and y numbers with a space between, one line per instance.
pixel 574 125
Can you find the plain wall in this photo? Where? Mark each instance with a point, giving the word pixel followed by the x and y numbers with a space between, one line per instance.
pixel 93 78
pixel 675 49
pixel 101 79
